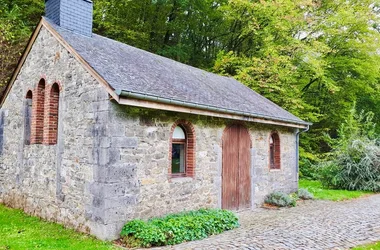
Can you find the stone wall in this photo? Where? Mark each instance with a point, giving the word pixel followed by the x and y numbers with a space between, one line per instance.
pixel 54 181
pixel 139 150
pixel 266 180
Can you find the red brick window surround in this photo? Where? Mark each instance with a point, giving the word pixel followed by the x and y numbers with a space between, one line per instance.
pixel 51 115
pixel 182 150
pixel 43 104
pixel 274 151
pixel 38 104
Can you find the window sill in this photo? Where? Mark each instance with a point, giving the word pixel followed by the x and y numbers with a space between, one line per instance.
pixel 275 170
pixel 180 179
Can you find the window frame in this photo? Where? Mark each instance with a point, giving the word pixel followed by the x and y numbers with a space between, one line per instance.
pixel 189 149
pixel 181 142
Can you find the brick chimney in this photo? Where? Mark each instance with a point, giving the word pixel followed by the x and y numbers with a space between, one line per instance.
pixel 74 15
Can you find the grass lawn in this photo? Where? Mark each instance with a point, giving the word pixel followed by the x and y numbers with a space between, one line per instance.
pixel 319 192
pixel 375 246
pixel 20 231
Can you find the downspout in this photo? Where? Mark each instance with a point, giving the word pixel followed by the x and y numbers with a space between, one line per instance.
pixel 297 151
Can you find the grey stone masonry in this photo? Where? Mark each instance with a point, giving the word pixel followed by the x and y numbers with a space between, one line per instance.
pixel 2 117
pixel 139 151
pixel 74 15
pixel 54 181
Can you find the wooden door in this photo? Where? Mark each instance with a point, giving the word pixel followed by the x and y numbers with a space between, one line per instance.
pixel 236 174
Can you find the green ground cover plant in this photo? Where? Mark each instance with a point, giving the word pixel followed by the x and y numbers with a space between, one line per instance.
pixel 19 231
pixel 178 228
pixel 323 193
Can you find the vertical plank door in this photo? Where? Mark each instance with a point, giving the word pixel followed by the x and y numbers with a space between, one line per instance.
pixel 244 180
pixel 230 168
pixel 236 179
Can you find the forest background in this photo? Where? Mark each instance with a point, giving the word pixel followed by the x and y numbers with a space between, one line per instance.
pixel 317 59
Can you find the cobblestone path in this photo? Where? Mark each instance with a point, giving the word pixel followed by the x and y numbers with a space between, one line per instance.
pixel 310 225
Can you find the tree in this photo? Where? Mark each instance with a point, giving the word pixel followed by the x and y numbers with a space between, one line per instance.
pixel 351 61
pixel 17 20
pixel 315 58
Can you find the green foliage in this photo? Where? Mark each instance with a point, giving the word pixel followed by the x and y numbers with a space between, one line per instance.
pixel 20 231
pixel 323 193
pixel 308 169
pixel 374 246
pixel 358 168
pixel 185 30
pixel 354 163
pixel 177 228
pixel 350 64
pixel 17 20
pixel 304 194
pixel 143 234
pixel 281 199
pixel 312 58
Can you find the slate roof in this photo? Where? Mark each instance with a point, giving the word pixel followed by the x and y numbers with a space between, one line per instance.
pixel 131 69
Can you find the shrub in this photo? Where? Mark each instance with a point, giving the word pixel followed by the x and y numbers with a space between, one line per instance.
pixel 354 163
pixel 177 228
pixel 357 168
pixel 304 194
pixel 308 169
pixel 280 199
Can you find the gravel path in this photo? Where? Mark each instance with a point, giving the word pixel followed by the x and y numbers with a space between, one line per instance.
pixel 310 225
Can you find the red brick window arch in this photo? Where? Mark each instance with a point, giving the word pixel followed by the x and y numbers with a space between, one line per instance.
pixel 182 150
pixel 37 130
pixel 274 151
pixel 51 115
pixel 28 116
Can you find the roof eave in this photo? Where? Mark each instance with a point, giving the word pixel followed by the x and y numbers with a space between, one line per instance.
pixel 156 102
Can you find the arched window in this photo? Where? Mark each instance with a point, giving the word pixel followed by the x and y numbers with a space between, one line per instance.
pixel 28 116
pixel 51 116
pixel 182 153
pixel 37 132
pixel 274 151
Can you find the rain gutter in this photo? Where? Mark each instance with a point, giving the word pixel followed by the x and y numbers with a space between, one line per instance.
pixel 152 98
